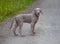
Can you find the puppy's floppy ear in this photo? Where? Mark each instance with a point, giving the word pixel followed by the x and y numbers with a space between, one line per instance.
pixel 41 12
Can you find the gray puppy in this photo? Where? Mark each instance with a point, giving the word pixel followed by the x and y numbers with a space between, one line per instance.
pixel 26 18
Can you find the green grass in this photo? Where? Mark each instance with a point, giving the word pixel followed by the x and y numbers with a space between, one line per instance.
pixel 9 8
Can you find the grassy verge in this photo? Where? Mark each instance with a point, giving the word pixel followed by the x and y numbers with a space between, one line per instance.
pixel 9 8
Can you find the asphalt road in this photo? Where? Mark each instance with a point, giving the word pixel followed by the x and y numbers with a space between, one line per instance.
pixel 47 28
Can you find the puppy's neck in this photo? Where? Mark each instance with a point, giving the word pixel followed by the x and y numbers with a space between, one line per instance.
pixel 36 15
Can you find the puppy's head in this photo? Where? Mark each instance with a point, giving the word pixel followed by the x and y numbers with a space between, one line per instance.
pixel 37 11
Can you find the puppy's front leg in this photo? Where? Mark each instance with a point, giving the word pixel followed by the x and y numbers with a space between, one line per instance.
pixel 32 28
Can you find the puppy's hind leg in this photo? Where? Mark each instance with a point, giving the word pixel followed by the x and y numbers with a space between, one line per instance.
pixel 20 28
pixel 14 29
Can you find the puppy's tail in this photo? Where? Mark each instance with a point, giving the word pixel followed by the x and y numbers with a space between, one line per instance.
pixel 11 23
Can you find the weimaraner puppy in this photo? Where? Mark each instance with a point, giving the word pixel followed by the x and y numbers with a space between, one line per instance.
pixel 26 18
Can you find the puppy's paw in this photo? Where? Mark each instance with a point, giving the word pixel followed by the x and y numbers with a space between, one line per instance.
pixel 22 35
pixel 33 33
pixel 15 34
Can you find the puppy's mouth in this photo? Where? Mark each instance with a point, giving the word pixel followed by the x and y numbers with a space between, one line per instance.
pixel 38 13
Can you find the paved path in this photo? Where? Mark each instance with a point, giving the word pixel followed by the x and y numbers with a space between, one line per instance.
pixel 47 29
